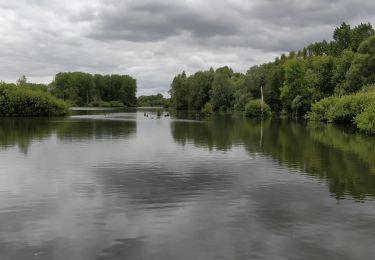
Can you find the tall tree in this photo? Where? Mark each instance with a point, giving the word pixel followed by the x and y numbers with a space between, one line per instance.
pixel 180 92
pixel 295 92
pixel 222 89
pixel 362 69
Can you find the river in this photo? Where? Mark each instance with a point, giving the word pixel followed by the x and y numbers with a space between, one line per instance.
pixel 122 185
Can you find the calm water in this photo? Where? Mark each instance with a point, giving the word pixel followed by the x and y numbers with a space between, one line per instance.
pixel 104 185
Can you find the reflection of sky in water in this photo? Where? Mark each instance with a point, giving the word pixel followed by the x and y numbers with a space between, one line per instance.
pixel 141 195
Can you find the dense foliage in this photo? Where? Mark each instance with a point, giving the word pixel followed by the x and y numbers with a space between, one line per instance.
pixel 153 101
pixel 22 101
pixel 81 88
pixel 365 121
pixel 291 83
pixel 107 104
pixel 357 109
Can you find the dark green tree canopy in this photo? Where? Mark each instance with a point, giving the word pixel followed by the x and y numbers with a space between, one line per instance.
pixel 292 82
pixel 83 88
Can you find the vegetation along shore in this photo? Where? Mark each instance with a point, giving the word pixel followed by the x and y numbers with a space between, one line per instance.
pixel 325 81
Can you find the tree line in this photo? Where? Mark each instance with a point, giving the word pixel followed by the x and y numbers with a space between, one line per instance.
pixel 157 100
pixel 84 89
pixel 292 82
pixel 81 88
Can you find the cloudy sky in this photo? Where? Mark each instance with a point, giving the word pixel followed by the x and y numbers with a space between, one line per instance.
pixel 154 40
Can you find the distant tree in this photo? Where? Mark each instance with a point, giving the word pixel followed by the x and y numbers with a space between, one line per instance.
pixel 152 101
pixel 180 92
pixel 22 81
pixel 83 88
pixel 200 85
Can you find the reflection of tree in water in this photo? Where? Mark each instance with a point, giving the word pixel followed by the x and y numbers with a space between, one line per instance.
pixel 213 134
pixel 340 156
pixel 97 129
pixel 317 151
pixel 22 132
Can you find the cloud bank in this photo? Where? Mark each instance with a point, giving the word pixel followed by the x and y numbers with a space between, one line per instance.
pixel 153 41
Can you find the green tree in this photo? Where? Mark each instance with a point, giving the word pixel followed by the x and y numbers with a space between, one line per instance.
pixel 200 85
pixel 359 34
pixel 321 69
pixel 362 69
pixel 342 36
pixel 83 88
pixel 341 66
pixel 22 81
pixel 180 92
pixel 222 89
pixel 295 84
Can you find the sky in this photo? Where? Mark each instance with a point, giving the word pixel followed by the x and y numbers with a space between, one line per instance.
pixel 155 40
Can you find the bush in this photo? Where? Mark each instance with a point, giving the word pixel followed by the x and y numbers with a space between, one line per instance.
pixel 207 109
pixel 253 108
pixel 348 107
pixel 17 101
pixel 365 121
pixel 116 104
pixel 107 104
pixel 100 104
pixel 320 109
pixel 368 88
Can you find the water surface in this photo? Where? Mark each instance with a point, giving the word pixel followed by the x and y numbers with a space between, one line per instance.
pixel 119 185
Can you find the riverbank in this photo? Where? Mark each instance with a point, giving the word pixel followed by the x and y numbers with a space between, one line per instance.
pixel 23 102
pixel 357 109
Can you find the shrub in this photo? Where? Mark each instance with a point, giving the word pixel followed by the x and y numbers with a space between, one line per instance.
pixel 207 109
pixel 348 107
pixel 17 101
pixel 107 104
pixel 365 121
pixel 116 104
pixel 100 104
pixel 320 109
pixel 368 88
pixel 253 108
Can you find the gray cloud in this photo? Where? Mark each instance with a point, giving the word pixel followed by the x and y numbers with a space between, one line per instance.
pixel 150 21
pixel 152 40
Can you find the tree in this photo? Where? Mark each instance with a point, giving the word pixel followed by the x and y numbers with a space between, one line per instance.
pixel 295 84
pixel 342 36
pixel 179 92
pixel 200 85
pixel 22 81
pixel 222 90
pixel 362 69
pixel 83 88
pixel 359 34
pixel 341 66
pixel 321 69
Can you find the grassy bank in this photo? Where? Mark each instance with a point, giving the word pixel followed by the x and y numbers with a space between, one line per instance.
pixel 24 102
